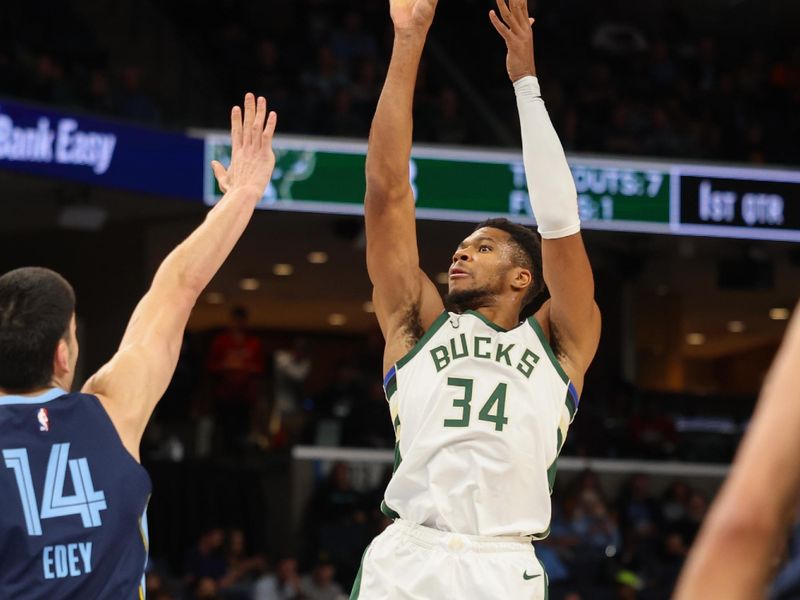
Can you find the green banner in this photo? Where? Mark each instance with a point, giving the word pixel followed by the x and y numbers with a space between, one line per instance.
pixel 316 175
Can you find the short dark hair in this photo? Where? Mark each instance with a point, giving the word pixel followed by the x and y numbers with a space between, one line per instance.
pixel 36 306
pixel 528 254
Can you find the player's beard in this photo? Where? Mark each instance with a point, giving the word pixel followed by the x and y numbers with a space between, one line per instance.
pixel 464 300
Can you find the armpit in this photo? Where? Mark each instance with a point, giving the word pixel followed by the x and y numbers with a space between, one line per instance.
pixel 411 329
pixel 555 344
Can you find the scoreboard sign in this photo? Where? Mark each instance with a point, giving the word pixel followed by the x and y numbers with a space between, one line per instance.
pixel 456 185
pixel 740 203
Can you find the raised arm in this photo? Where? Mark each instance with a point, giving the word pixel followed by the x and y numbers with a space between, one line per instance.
pixel 571 316
pixel 406 301
pixel 132 382
pixel 743 534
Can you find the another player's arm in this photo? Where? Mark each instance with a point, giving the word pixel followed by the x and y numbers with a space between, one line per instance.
pixel 132 382
pixel 405 298
pixel 571 315
pixel 742 535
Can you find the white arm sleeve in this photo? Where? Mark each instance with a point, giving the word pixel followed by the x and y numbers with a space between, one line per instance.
pixel 554 199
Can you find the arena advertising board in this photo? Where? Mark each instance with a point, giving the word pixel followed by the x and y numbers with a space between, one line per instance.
pixel 461 185
pixel 45 142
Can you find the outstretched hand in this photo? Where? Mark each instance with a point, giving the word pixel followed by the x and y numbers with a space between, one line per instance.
pixel 412 16
pixel 515 29
pixel 252 158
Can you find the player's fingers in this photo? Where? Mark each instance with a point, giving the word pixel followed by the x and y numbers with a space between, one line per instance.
pixel 261 116
pixel 221 174
pixel 519 11
pixel 531 21
pixel 249 118
pixel 236 128
pixel 498 24
pixel 504 11
pixel 269 132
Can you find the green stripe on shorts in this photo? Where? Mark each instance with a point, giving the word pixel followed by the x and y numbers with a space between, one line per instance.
pixel 357 583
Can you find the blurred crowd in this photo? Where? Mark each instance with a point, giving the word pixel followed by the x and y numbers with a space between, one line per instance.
pixel 616 80
pixel 628 545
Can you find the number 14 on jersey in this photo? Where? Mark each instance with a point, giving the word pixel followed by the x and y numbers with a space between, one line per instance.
pixel 84 501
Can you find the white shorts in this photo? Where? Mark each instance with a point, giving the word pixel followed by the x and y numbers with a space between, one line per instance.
pixel 412 562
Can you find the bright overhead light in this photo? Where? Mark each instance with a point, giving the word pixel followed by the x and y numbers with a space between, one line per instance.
pixel 736 326
pixel 443 278
pixel 337 319
pixel 779 314
pixel 318 258
pixel 249 284
pixel 368 307
pixel 215 298
pixel 282 270
pixel 695 339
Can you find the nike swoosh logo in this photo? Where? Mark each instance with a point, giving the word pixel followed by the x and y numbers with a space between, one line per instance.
pixel 526 577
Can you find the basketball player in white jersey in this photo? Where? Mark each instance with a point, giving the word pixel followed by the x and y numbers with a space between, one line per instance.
pixel 736 553
pixel 481 402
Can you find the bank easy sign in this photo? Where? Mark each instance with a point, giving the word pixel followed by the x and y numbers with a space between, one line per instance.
pixel 46 142
pixel 61 141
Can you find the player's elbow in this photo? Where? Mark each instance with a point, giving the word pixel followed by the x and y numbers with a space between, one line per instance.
pixel 179 278
pixel 744 522
pixel 383 193
pixel 384 179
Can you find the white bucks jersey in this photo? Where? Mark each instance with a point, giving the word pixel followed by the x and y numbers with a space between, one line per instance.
pixel 480 416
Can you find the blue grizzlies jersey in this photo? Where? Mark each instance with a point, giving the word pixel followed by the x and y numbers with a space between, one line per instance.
pixel 72 502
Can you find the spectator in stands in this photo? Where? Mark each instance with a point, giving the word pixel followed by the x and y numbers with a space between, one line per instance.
pixel 674 504
pixel 336 499
pixel 351 42
pixel 292 368
pixel 337 522
pixel 343 120
pixel 207 559
pixel 283 584
pixel 369 423
pixel 652 431
pixel 449 126
pixel 241 569
pixel 133 101
pixel 99 95
pixel 320 583
pixel 366 84
pixel 325 76
pixel 594 525
pixel 696 510
pixel 638 514
pixel 236 362
pixel 557 551
pixel 665 570
pixel 205 589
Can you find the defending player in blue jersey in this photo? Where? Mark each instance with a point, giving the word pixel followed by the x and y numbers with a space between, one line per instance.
pixel 72 492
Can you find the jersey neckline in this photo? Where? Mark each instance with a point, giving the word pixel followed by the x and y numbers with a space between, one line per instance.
pixel 45 396
pixel 491 323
